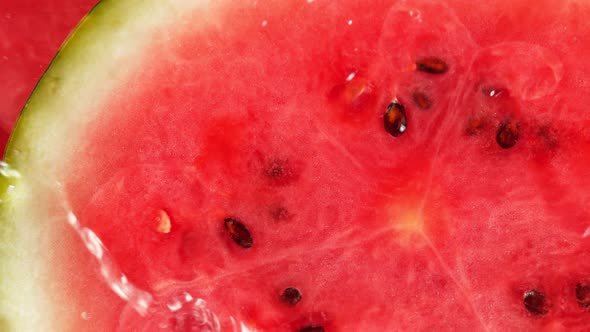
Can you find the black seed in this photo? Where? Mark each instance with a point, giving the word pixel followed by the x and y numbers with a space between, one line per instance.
pixel 279 213
pixel 291 296
pixel 583 295
pixel 422 100
pixel 238 232
pixel 508 134
pixel 432 65
pixel 395 120
pixel 312 328
pixel 534 302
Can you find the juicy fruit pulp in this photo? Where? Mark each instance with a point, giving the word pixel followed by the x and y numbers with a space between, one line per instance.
pixel 345 167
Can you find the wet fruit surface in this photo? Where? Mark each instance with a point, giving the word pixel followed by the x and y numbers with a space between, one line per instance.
pixel 413 165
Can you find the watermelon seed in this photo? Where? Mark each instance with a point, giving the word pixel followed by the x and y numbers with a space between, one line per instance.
pixel 238 232
pixel 291 296
pixel 534 302
pixel 279 212
pixel 395 120
pixel 162 222
pixel 280 172
pixel 422 100
pixel 583 295
pixel 312 328
pixel 508 134
pixel 475 125
pixel 431 65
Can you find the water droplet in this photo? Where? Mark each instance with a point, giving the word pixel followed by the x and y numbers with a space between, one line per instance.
pixel 264 23
pixel 85 315
pixel 583 295
pixel 508 134
pixel 175 305
pixel 534 302
pixel 7 171
pixel 431 65
pixel 395 120
pixel 349 22
pixel 422 100
pixel 238 232
pixel 493 91
pixel 291 296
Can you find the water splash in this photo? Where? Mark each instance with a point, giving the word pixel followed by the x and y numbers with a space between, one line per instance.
pixel 7 171
pixel 144 311
pixel 111 273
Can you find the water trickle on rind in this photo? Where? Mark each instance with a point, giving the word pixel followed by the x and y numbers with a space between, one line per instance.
pixel 7 171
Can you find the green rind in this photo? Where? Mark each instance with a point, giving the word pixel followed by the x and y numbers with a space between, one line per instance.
pixel 103 51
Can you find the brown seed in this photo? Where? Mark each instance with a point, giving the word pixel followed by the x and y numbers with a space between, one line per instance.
pixel 583 295
pixel 431 65
pixel 508 134
pixel 346 93
pixel 238 232
pixel 475 125
pixel 395 120
pixel 422 100
pixel 291 296
pixel 312 328
pixel 534 302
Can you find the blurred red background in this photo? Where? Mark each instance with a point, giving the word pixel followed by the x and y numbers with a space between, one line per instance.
pixel 31 32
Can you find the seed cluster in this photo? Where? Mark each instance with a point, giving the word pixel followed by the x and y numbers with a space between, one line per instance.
pixel 395 121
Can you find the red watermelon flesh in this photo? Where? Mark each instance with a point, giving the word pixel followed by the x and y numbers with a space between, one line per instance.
pixel 31 31
pixel 321 166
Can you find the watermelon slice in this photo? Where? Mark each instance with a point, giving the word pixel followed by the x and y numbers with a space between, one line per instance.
pixel 304 166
